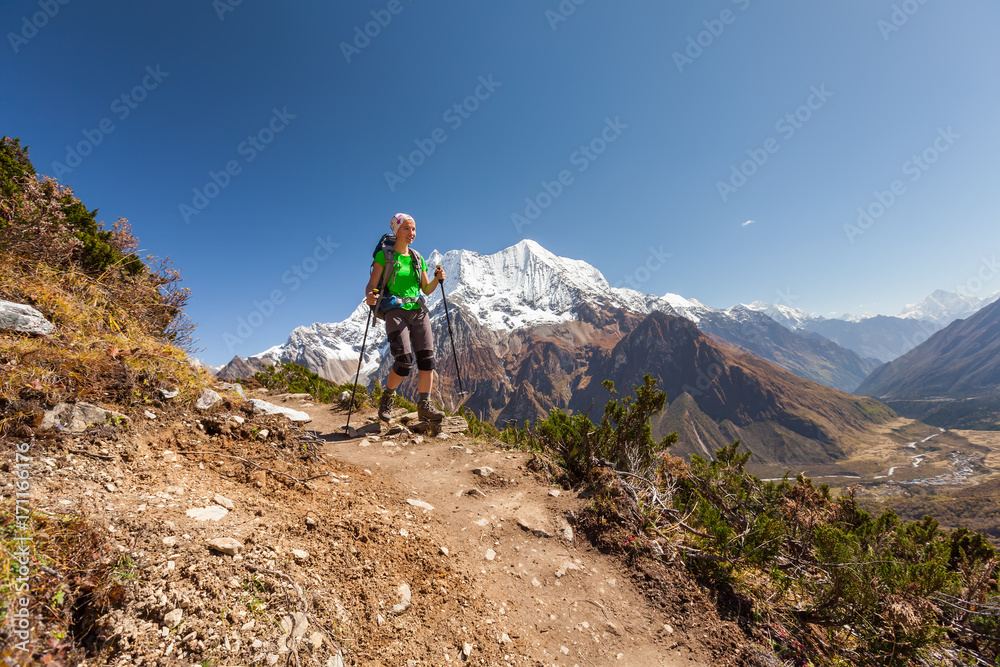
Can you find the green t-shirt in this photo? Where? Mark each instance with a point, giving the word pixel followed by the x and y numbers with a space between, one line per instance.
pixel 405 281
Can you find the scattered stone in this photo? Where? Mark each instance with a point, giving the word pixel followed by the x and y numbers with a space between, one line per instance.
pixel 484 471
pixel 443 436
pixel 207 399
pixel 466 650
pixel 566 567
pixel 505 639
pixel 310 522
pixel 417 440
pixel 110 487
pixel 295 625
pixel 210 513
pixel 419 503
pixel 24 318
pixel 535 530
pixel 657 549
pixel 236 388
pixel 170 541
pixel 263 433
pixel 173 618
pixel 316 640
pixel 490 554
pixel 367 429
pixel 458 448
pixel 565 651
pixel 554 493
pixel 257 643
pixel 248 625
pixel 564 529
pixel 226 545
pixel 535 582
pixel 409 417
pixel 263 407
pixel 444 550
pixel 222 500
pixel 149 415
pixel 404 599
pixel 300 554
pixel 76 417
pixel 669 630
pixel 475 493
pixel 169 392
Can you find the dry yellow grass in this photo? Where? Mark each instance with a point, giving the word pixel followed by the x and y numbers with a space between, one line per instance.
pixel 101 350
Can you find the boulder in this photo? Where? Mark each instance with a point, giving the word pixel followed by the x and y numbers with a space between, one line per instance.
pixel 19 317
pixel 207 399
pixel 76 417
pixel 226 545
pixel 234 387
pixel 263 407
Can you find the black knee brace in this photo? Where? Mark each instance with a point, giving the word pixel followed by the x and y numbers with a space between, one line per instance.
pixel 404 363
pixel 425 360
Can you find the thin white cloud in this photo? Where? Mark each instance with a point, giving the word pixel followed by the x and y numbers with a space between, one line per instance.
pixel 747 223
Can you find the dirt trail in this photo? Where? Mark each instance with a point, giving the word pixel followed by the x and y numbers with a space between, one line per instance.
pixel 560 599
pixel 337 561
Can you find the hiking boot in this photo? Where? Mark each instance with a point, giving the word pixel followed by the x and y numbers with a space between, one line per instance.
pixel 385 405
pixel 428 412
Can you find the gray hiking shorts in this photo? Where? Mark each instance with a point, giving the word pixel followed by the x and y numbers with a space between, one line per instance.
pixel 410 338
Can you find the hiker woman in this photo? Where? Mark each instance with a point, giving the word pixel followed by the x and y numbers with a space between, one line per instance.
pixel 407 324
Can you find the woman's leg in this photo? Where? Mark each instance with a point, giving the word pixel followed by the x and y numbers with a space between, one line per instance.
pixel 425 382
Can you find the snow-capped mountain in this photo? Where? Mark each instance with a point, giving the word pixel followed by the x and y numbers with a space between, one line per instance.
pixel 883 337
pixel 943 308
pixel 527 286
pixel 792 318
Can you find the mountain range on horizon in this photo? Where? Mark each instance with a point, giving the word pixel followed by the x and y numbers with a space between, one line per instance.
pixel 534 331
pixel 526 285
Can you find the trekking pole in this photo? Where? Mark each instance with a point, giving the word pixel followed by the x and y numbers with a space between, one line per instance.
pixel 461 390
pixel 361 358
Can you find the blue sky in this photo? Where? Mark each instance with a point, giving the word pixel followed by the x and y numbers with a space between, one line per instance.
pixel 638 129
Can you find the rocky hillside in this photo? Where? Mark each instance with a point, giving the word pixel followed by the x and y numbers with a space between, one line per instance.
pixel 718 394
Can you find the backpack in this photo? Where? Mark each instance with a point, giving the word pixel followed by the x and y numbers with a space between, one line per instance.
pixel 386 301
